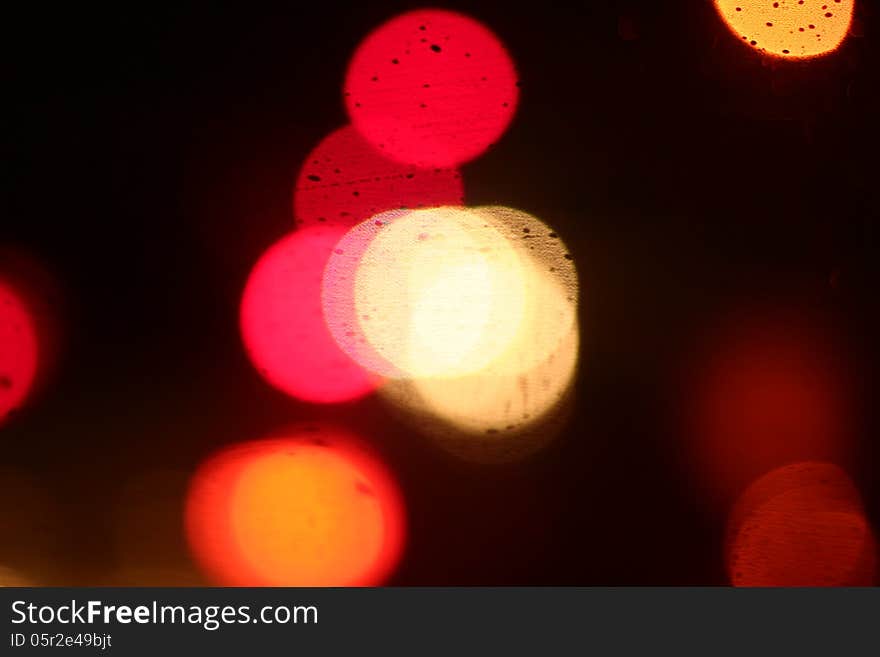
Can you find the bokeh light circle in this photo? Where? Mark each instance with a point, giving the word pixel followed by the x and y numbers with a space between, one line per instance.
pixel 431 88
pixel 346 180
pixel 494 416
pixel 440 293
pixel 282 322
pixel 19 350
pixel 434 292
pixel 308 507
pixel 471 313
pixel 801 525
pixel 789 29
pixel 496 400
pixel 551 288
pixel 445 292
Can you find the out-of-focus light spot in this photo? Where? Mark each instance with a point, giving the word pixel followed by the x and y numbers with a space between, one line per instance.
pixel 771 389
pixel 550 285
pixel 19 350
pixel 417 293
pixel 502 397
pixel 310 507
pixel 431 88
pixel 473 310
pixel 32 309
pixel 439 292
pixel 801 525
pixel 444 292
pixel 338 294
pixel 283 327
pixel 792 29
pixel 346 180
pixel 496 415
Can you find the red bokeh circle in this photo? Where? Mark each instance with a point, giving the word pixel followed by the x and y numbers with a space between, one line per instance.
pixel 19 350
pixel 431 88
pixel 801 525
pixel 282 322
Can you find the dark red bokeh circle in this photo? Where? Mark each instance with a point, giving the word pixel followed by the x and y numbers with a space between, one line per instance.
pixel 346 180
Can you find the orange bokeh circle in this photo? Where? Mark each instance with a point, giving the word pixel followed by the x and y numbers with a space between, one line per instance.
pixel 307 507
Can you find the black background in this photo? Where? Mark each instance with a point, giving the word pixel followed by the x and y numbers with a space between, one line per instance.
pixel 149 157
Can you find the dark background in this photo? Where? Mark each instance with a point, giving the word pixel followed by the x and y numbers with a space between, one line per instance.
pixel 149 156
